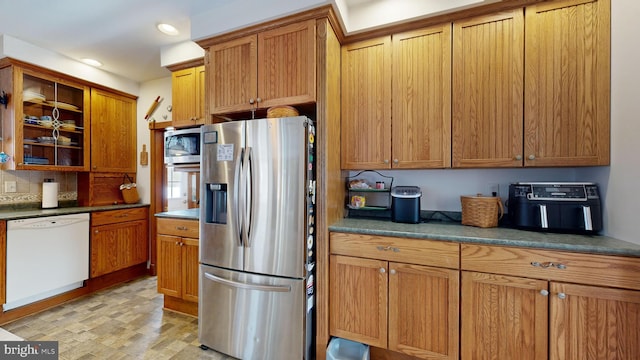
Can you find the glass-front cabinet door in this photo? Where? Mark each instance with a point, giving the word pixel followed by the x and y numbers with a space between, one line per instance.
pixel 54 127
pixel 46 122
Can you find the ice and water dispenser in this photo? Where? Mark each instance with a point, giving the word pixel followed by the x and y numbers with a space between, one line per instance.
pixel 215 203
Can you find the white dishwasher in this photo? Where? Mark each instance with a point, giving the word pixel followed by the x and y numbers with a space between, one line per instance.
pixel 46 256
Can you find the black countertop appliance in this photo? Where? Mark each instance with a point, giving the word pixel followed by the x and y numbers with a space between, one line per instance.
pixel 570 207
pixel 405 204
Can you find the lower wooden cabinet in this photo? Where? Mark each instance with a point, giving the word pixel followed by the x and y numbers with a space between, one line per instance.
pixel 119 239
pixel 407 308
pixel 177 262
pixel 521 317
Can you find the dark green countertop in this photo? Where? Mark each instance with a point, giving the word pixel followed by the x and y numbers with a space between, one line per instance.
pixel 24 213
pixel 493 236
pixel 189 214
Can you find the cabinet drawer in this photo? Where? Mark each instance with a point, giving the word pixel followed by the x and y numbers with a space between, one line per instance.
pixel 116 216
pixel 179 227
pixel 604 270
pixel 413 251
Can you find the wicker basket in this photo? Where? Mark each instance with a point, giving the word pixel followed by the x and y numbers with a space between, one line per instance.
pixel 481 211
pixel 282 111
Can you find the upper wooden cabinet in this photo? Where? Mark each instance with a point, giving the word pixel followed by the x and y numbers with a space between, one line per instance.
pixel 271 68
pixel 488 54
pixel 113 132
pixel 366 104
pixel 533 90
pixel 46 122
pixel 421 98
pixel 412 71
pixel 187 92
pixel 567 83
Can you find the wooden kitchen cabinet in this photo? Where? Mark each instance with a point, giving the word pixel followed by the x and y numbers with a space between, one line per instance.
pixel 27 137
pixel 408 307
pixel 366 105
pixel 113 132
pixel 178 263
pixel 414 132
pixel 188 94
pixel 421 98
pixel 119 239
pixel 271 68
pixel 541 304
pixel 487 104
pixel 567 83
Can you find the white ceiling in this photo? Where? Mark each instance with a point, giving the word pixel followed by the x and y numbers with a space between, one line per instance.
pixel 122 34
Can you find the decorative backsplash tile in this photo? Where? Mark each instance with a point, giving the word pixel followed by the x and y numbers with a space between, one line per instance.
pixel 29 185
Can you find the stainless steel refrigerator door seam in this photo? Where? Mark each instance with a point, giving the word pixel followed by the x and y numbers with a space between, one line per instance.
pixel 241 285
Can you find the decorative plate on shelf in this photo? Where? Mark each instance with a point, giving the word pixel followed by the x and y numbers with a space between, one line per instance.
pixel 62 105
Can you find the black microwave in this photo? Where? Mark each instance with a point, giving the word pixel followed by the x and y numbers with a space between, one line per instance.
pixel 182 146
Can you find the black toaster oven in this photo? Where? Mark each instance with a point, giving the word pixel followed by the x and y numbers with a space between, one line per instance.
pixel 571 207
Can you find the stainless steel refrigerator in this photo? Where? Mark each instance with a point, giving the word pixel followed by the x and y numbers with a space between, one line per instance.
pixel 257 246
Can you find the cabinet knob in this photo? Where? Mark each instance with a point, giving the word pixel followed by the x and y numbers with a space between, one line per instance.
pixel 562 296
pixel 386 161
pixel 94 166
pixel 251 101
pixel 518 157
pixel 258 100
pixel 177 242
pixel 544 292
pixel 395 161
pixel 532 157
pixel 382 271
pixel 392 271
pixel 95 231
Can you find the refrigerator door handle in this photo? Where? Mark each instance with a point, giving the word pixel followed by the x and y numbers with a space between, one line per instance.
pixel 236 196
pixel 231 283
pixel 249 194
pixel 244 190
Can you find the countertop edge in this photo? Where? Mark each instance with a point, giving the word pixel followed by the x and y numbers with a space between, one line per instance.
pixel 593 244
pixel 32 213
pixel 187 214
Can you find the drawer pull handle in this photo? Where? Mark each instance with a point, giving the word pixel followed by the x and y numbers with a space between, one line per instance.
pixel 182 228
pixel 549 264
pixel 122 215
pixel 387 248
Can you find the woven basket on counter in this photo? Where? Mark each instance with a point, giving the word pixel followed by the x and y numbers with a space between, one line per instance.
pixel 481 211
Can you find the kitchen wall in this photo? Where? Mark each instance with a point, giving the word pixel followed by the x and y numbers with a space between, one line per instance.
pixel 29 186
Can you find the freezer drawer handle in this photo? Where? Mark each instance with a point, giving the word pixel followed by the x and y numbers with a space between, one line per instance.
pixel 284 288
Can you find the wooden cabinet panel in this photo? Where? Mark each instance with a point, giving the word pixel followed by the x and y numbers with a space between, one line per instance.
pixel 615 271
pixel 567 92
pixel 503 317
pixel 178 258
pixel 178 227
pixel 287 65
pixel 488 63
pixel 421 97
pixel 423 311
pixel 3 256
pixel 169 265
pixel 113 132
pixel 417 251
pixel 190 269
pixel 233 75
pixel 358 299
pixel 589 322
pixel 118 246
pixel 116 216
pixel 187 91
pixel 366 105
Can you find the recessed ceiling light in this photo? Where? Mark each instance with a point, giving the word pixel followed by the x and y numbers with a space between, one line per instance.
pixel 168 29
pixel 92 62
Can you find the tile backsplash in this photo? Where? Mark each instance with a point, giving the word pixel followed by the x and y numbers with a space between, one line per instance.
pixel 29 185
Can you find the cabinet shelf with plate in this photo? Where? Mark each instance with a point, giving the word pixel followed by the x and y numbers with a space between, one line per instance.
pixel 46 122
pixel 369 190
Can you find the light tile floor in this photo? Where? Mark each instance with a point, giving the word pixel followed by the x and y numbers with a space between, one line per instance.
pixel 123 322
